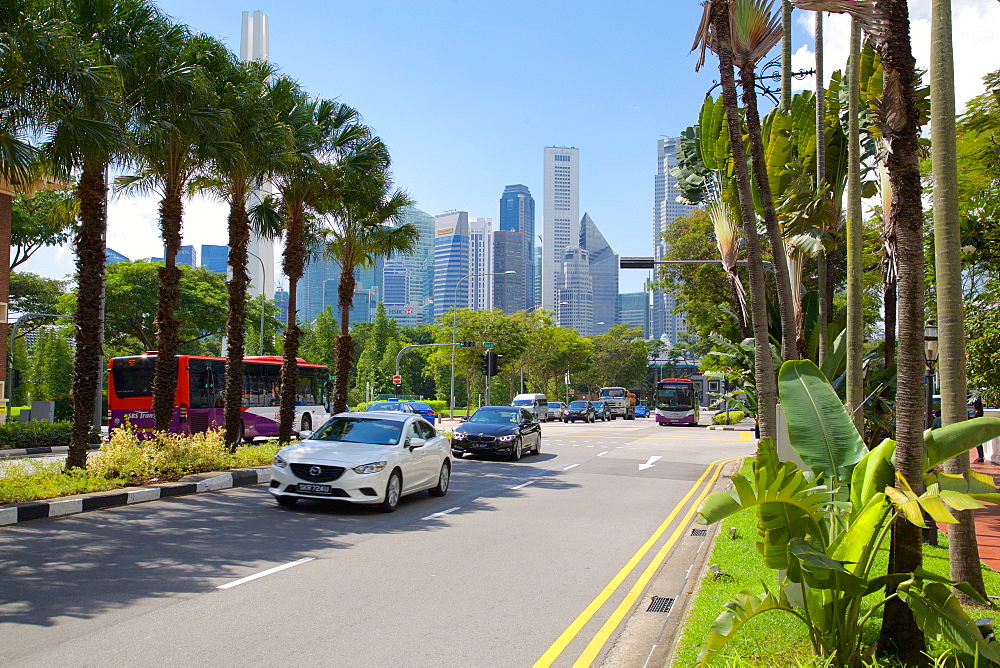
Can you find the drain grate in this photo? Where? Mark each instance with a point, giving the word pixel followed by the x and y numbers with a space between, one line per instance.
pixel 699 532
pixel 660 604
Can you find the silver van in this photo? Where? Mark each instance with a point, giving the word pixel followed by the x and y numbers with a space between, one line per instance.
pixel 536 404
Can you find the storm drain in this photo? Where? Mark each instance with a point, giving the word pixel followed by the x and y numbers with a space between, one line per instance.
pixel 699 532
pixel 660 604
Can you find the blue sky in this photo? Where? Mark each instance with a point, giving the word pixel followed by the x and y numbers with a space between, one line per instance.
pixel 466 95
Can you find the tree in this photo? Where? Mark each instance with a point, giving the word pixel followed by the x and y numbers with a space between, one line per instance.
pixel 855 239
pixel 619 358
pixel 51 366
pixel 46 219
pixel 362 228
pixel 31 293
pixel 714 32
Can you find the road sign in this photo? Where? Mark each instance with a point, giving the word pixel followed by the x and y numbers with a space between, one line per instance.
pixel 487 344
pixel 397 380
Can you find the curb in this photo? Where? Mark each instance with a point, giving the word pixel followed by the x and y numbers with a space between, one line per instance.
pixel 82 503
pixel 729 427
pixel 21 452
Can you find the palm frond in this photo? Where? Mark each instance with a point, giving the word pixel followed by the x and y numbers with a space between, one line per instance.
pixel 755 28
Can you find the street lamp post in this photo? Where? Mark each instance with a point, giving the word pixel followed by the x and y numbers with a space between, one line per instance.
pixel 260 346
pixel 454 325
pixel 930 358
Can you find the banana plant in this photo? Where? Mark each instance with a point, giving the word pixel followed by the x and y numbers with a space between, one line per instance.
pixel 822 527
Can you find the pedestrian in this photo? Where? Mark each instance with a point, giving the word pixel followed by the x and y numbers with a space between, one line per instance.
pixel 977 407
pixel 937 420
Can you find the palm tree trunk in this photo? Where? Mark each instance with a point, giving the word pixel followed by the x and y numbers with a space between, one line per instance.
pixel 781 277
pixel 767 386
pixel 855 242
pixel 292 264
pixel 963 550
pixel 345 343
pixel 822 316
pixel 239 240
pixel 168 294
pixel 786 55
pixel 900 634
pixel 91 247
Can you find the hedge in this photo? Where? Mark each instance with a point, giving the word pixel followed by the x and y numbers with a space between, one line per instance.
pixel 728 417
pixel 37 434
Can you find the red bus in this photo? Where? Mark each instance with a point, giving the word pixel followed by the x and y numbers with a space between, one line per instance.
pixel 198 402
pixel 677 402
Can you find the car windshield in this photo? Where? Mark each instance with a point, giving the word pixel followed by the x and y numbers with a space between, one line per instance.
pixel 598 405
pixel 578 404
pixel 359 430
pixel 386 406
pixel 495 416
pixel 421 406
pixel 522 402
pixel 554 404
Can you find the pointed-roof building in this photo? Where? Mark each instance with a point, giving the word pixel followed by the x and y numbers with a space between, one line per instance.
pixel 603 274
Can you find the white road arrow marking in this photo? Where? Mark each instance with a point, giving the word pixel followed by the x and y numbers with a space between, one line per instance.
pixel 649 462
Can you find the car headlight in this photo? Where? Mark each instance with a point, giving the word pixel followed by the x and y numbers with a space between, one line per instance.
pixel 279 462
pixel 458 437
pixel 371 467
pixel 509 437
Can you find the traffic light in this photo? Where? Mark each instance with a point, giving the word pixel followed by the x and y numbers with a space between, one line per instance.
pixel 494 363
pixel 485 366
pixel 466 344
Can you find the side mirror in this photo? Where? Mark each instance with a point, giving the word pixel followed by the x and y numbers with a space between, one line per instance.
pixel 416 443
pixel 305 434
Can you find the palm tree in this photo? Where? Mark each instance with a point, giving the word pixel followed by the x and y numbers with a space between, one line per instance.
pixel 963 549
pixel 264 144
pixel 175 134
pixel 823 316
pixel 714 33
pixel 855 240
pixel 329 141
pixel 786 55
pixel 888 27
pixel 362 230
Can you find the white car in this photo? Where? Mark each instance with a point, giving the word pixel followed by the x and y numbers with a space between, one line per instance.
pixel 370 457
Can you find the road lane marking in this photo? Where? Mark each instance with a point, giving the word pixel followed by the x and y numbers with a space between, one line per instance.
pixel 571 466
pixel 745 436
pixel 601 454
pixel 650 462
pixel 567 636
pixel 235 583
pixel 443 512
pixel 523 484
pixel 597 643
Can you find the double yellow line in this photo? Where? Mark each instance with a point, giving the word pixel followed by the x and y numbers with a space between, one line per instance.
pixel 705 483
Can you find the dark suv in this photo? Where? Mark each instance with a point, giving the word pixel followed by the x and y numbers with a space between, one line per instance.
pixel 602 411
pixel 579 410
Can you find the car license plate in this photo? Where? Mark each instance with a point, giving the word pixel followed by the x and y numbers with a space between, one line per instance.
pixel 307 488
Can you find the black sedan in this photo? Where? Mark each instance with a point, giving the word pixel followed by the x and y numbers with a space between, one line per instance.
pixel 498 430
pixel 579 410
pixel 602 411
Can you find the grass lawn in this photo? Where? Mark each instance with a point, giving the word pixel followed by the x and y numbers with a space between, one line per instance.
pixel 779 639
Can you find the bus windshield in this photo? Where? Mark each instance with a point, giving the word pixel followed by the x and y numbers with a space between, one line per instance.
pixel 675 397
pixel 133 376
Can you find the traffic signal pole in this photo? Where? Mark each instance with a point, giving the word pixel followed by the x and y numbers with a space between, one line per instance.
pixel 402 350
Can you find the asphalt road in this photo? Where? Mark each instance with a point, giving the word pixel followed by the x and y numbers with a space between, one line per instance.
pixel 491 574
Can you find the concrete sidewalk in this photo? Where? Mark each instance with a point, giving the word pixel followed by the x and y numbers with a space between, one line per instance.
pixel 988 520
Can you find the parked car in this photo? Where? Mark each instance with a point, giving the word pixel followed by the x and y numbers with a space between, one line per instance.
pixel 556 409
pixel 364 457
pixel 498 430
pixel 579 410
pixel 395 406
pixel 642 411
pixel 536 404
pixel 423 409
pixel 602 411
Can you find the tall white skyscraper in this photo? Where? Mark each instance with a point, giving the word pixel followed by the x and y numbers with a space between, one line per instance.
pixel 560 217
pixel 255 45
pixel 666 209
pixel 480 264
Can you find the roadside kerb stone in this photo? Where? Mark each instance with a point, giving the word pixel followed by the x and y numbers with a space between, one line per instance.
pixel 16 513
pixel 55 449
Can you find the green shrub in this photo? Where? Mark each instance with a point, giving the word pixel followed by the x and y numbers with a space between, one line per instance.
pixel 27 481
pixel 437 405
pixel 728 417
pixel 37 434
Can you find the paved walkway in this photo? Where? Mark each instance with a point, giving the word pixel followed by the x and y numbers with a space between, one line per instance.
pixel 988 521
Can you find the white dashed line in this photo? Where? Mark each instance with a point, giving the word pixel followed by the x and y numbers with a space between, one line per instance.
pixel 601 454
pixel 443 512
pixel 523 484
pixel 571 466
pixel 590 446
pixel 234 583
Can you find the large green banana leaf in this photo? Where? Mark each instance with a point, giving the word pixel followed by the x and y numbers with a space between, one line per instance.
pixel 738 612
pixel 949 441
pixel 939 614
pixel 873 473
pixel 857 544
pixel 978 486
pixel 819 428
pixel 819 571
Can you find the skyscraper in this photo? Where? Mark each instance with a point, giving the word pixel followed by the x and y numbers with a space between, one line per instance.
pixel 113 257
pixel 188 256
pixel 575 292
pixel 480 264
pixel 420 264
pixel 633 309
pixel 537 287
pixel 215 258
pixel 561 218
pixel 451 261
pixel 508 255
pixel 603 274
pixel 666 209
pixel 517 214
